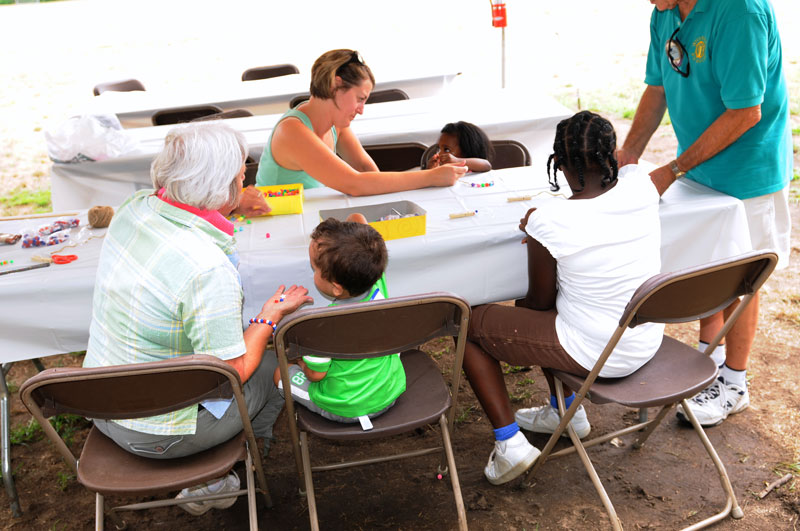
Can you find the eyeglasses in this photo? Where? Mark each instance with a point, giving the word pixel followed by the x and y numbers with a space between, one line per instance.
pixel 677 54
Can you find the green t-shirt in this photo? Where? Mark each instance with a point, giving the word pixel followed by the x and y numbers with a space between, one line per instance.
pixel 352 388
pixel 271 173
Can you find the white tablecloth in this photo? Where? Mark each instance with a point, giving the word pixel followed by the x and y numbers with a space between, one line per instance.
pixel 263 96
pixel 47 311
pixel 502 114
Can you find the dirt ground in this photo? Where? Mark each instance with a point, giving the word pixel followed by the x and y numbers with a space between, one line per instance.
pixel 669 483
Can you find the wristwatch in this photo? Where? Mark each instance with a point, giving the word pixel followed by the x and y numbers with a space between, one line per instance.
pixel 675 170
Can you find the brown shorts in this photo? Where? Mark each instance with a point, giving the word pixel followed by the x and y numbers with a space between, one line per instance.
pixel 520 336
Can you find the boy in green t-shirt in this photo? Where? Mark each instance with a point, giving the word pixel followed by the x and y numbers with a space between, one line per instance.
pixel 348 259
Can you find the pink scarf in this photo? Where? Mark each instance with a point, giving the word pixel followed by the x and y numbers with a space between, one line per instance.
pixel 212 216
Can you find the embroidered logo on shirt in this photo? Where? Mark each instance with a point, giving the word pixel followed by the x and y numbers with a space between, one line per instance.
pixel 699 50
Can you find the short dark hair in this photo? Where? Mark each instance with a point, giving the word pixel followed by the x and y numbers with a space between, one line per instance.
pixel 351 254
pixel 472 141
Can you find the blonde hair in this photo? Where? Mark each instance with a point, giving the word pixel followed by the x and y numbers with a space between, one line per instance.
pixel 199 165
pixel 347 64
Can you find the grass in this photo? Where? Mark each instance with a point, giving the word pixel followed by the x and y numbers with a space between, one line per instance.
pixel 66 426
pixel 37 200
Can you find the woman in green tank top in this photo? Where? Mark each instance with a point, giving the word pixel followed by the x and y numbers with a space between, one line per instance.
pixel 304 145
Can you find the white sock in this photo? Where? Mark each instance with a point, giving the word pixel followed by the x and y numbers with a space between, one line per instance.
pixel 732 376
pixel 718 355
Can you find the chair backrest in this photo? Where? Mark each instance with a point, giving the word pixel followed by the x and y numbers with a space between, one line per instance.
pixel 224 115
pixel 698 292
pixel 266 72
pixel 510 154
pixel 378 96
pixel 130 391
pixel 179 115
pixel 507 154
pixel 382 96
pixel 125 85
pixel 370 329
pixel 399 156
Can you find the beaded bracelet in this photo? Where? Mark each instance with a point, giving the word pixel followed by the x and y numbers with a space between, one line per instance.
pixel 264 321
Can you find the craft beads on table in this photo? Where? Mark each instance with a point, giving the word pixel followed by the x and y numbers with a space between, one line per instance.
pixel 35 240
pixel 57 225
pixel 6 262
pixel 282 192
pixel 481 185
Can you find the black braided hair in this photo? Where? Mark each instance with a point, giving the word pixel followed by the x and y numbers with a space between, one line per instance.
pixel 586 141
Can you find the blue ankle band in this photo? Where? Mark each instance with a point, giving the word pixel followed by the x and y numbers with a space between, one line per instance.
pixel 567 401
pixel 506 432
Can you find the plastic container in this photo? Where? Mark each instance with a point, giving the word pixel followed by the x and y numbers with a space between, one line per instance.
pixel 287 203
pixel 393 229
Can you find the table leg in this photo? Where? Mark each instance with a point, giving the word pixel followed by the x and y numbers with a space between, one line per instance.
pixel 5 443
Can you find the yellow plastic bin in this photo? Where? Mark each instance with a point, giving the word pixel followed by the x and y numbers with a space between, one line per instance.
pixel 392 229
pixel 285 198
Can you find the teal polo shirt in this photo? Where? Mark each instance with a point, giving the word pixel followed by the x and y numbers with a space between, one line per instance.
pixel 734 57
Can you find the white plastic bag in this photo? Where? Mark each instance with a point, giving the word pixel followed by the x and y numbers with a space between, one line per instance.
pixel 89 138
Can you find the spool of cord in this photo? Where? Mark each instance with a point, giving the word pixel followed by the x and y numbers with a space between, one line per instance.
pixel 100 216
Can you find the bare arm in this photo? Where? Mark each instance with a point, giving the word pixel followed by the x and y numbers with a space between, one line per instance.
pixel 312 375
pixel 542 288
pixel 296 147
pixel 257 335
pixel 648 115
pixel 722 132
pixel 351 150
pixel 472 163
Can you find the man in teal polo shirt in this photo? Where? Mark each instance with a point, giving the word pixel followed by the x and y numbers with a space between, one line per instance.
pixel 717 67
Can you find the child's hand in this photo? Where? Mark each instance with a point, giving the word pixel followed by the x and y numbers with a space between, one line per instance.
pixel 357 217
pixel 294 297
pixel 448 158
pixel 433 162
pixel 252 203
pixel 523 223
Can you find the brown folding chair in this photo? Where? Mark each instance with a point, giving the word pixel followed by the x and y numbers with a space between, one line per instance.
pixel 179 115
pixel 143 390
pixel 676 372
pixel 125 85
pixel 266 72
pixel 370 329
pixel 509 154
pixel 225 115
pixel 399 156
pixel 378 96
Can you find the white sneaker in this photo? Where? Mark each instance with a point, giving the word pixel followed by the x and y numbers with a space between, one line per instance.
pixel 545 419
pixel 229 483
pixel 713 404
pixel 509 459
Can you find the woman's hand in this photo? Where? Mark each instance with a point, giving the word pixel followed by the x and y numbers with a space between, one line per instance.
pixel 625 157
pixel 252 203
pixel 276 309
pixel 448 174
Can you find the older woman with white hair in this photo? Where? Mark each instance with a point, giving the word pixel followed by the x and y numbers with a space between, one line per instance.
pixel 167 286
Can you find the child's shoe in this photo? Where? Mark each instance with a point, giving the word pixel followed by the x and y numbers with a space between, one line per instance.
pixel 545 419
pixel 510 458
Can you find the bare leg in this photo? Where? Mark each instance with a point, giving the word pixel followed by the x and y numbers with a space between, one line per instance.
pixel 486 378
pixel 739 338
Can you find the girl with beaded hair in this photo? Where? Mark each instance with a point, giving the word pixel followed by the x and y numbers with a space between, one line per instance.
pixel 586 257
pixel 313 144
pixel 463 142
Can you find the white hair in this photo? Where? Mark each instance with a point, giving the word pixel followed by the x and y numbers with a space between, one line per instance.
pixel 199 165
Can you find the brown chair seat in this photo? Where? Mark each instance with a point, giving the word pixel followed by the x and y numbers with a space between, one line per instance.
pixel 106 468
pixel 648 387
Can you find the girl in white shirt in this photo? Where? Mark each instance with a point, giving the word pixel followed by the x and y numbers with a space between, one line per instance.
pixel 586 257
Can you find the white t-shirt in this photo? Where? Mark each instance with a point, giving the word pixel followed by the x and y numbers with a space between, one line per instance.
pixel 605 247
